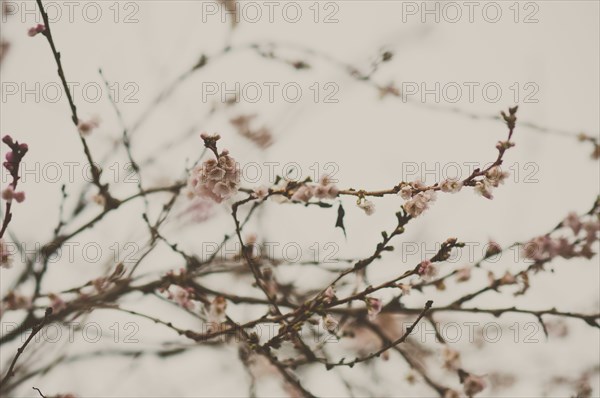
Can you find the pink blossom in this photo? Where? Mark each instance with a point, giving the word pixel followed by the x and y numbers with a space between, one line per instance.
pixel 451 186
pixel 406 192
pixel 303 194
pixel 534 249
pixel 322 192
pixel 427 270
pixel 329 295
pixel 374 306
pixel 326 189
pixel 420 202
pixel 367 206
pixel 216 174
pixel 39 28
pixel 493 248
pixel 223 189
pixel 56 303
pixel 542 248
pixel 463 274
pixel 9 194
pixel 572 221
pixel 493 178
pixel 326 180
pixel 215 179
pixel 418 184
pixel 182 297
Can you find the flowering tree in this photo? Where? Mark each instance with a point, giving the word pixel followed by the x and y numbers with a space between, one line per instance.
pixel 307 325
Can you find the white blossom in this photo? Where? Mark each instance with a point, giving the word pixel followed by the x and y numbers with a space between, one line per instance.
pixel 367 206
pixel 451 186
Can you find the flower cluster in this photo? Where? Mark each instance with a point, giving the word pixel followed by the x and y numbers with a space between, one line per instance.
pixel 181 296
pixel 12 160
pixel 420 202
pixel 217 179
pixel 493 178
pixel 15 155
pixel 545 247
pixel 303 194
pixel 324 190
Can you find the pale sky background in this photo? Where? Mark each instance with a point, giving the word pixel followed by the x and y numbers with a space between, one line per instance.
pixel 373 142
